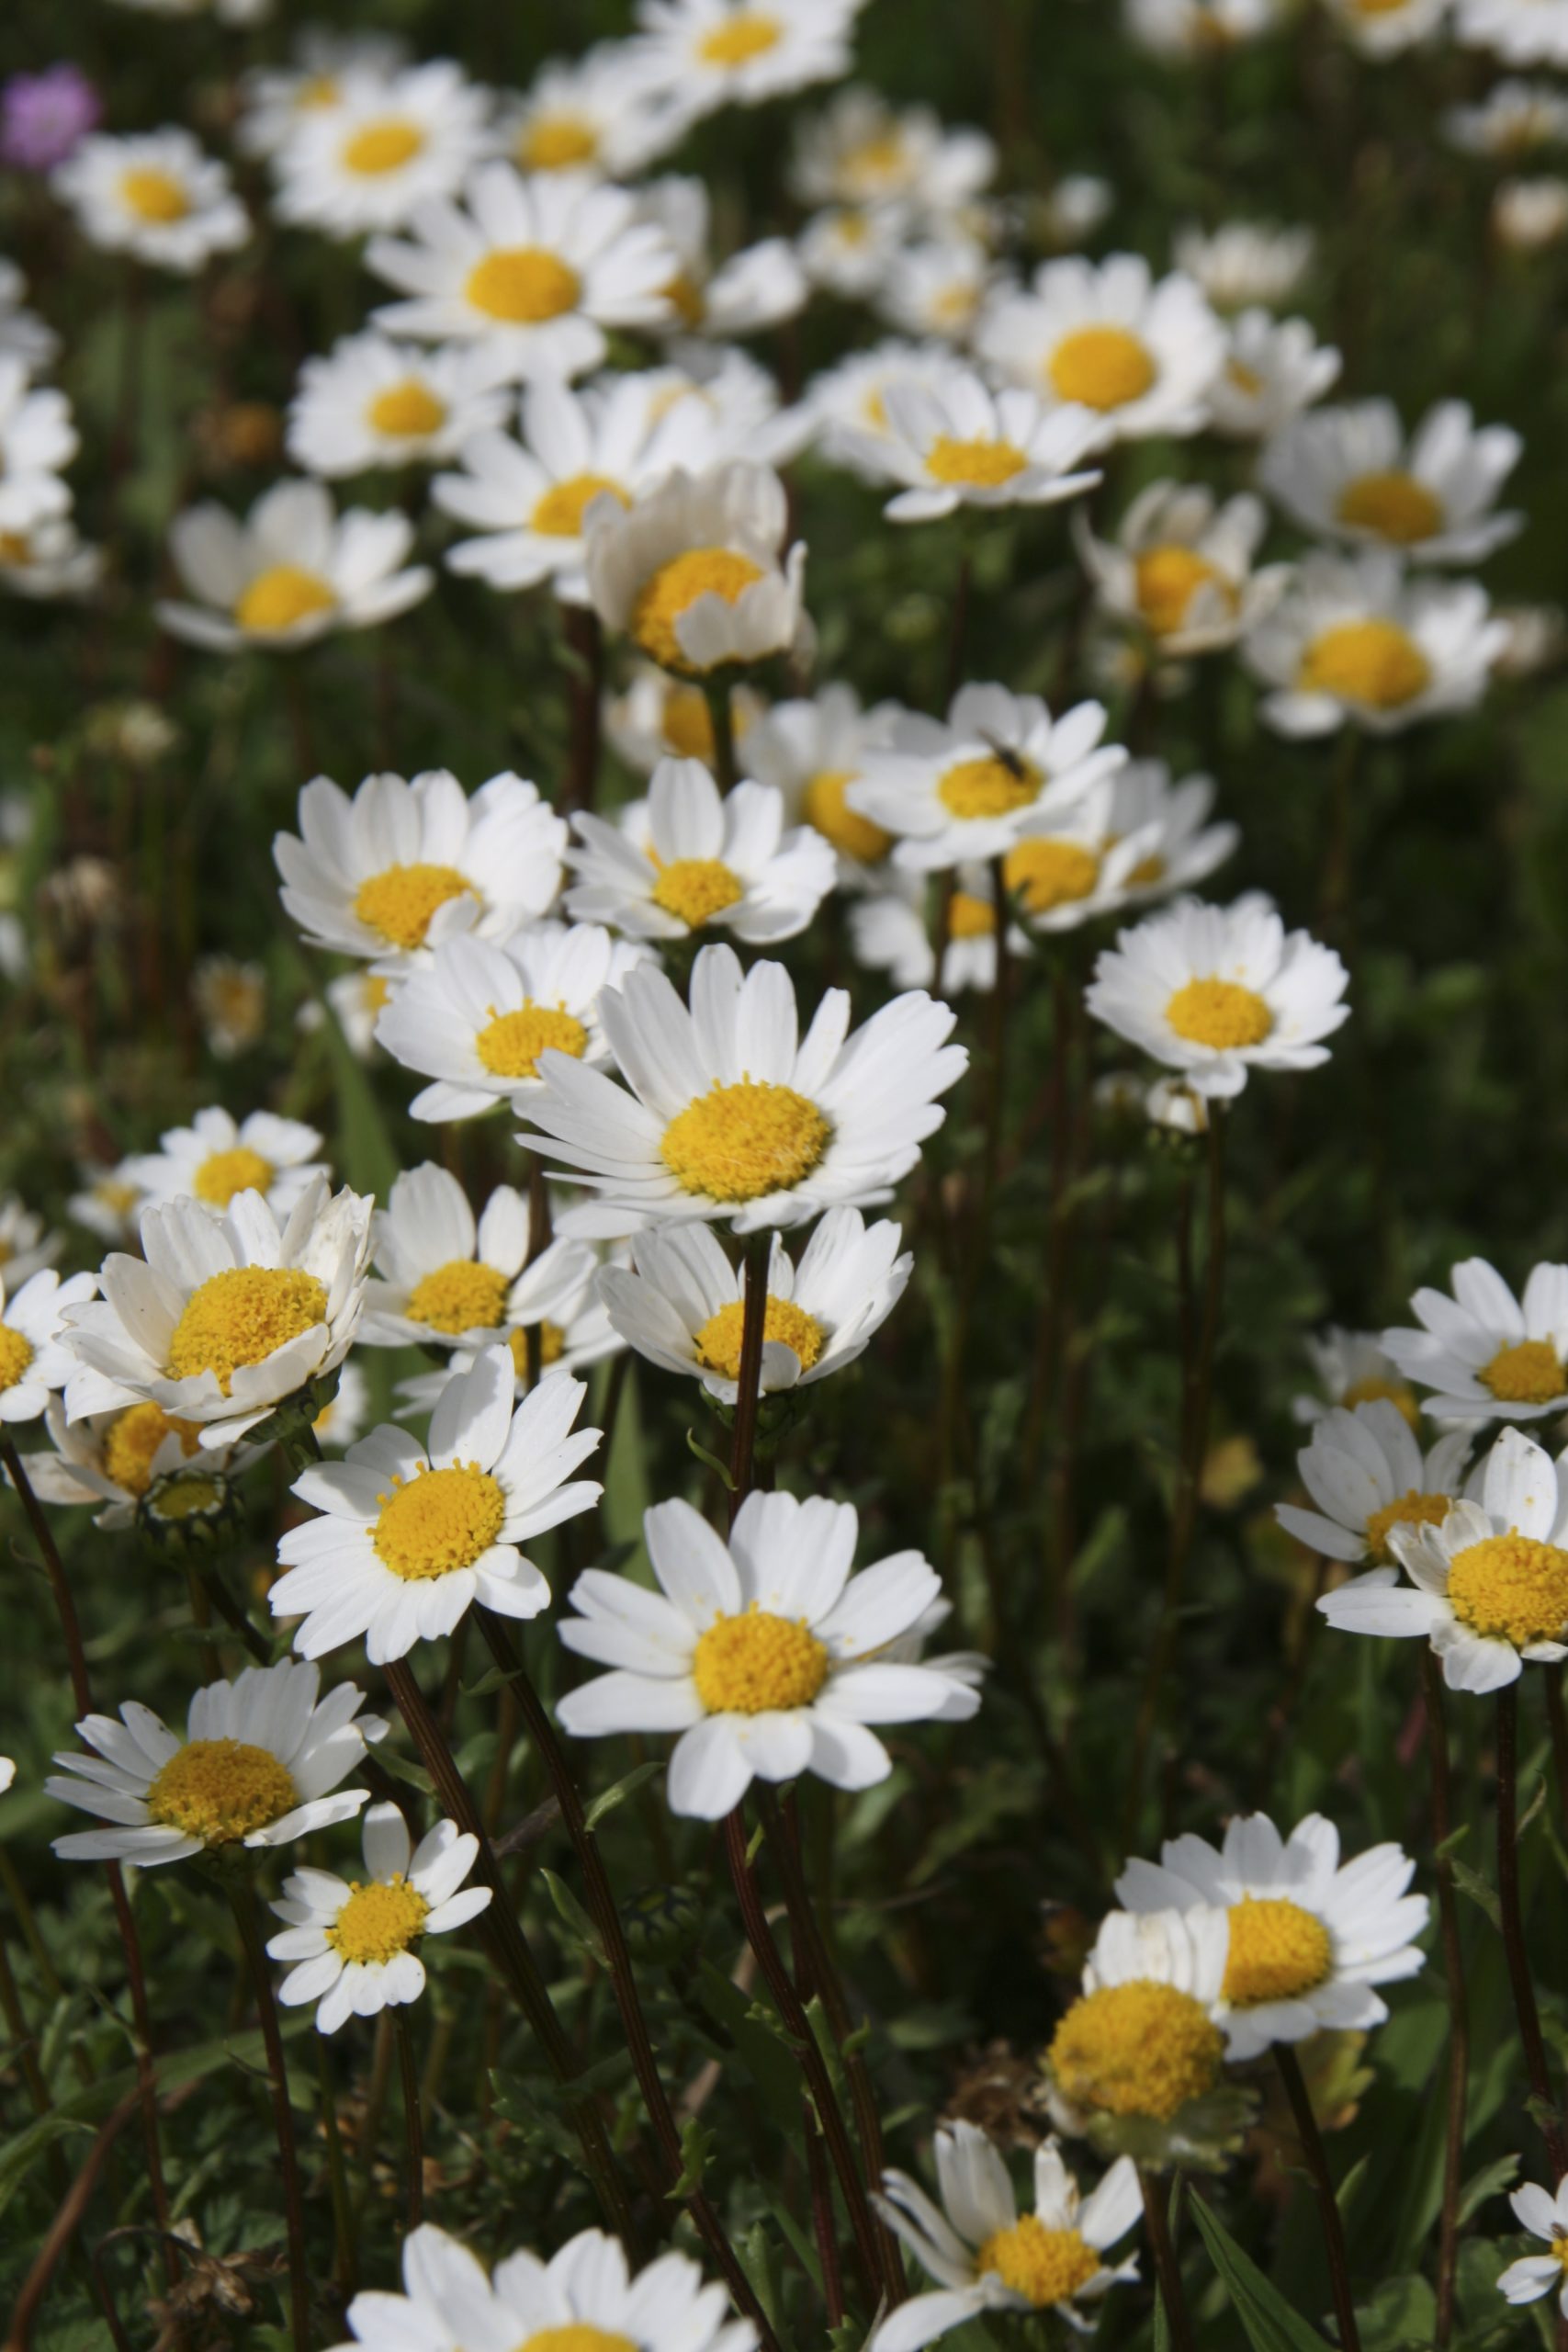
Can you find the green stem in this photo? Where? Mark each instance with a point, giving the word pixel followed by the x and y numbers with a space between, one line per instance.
pixel 249 1924
pixel 721 713
pixel 1542 2098
pixel 414 2125
pixel 1459 2008
pixel 1316 2156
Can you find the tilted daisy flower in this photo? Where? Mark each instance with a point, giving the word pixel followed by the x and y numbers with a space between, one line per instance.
pixel 1367 1474
pixel 659 717
pixel 357 1000
pixel 26 1242
pixel 49 560
pixel 1520 32
pixel 1309 1937
pixel 1382 28
pixel 1215 991
pixel 1353 640
pixel 108 1201
pixel 699 55
pixel 728 1112
pixel 681 1302
pixel 1534 2275
pixel 1138 2055
pixel 410 1536
pixel 1352 1368
pixel 403 866
pixel 584 2298
pixel 113 1460
pixel 693 574
pixel 812 751
pixel 154 196
pixel 539 267
pixel 963 445
pixel 36 1355
pixel 225 1317
pixel 940 287
pixel 229 1000
pixel 1489 1585
pixel 989 2257
pixel 294 571
pixel 1141 355
pixel 851 248
pixel 741 399
pixel 693 859
pixel 443 1281
pixel 1245 262
pixel 259 1765
pixel 274 99
pixel 961 789
pixel 757 286
pixel 1486 1355
pixel 1182 566
pixel 23 335
pixel 353 1941
pixel 893 930
pixel 555 1299
pixel 215 1158
pixel 370 401
pixel 1513 118
pixel 1133 836
pixel 760 1652
pixel 37 437
pixel 346 1411
pixel 476 1020
pixel 1199 28
pixel 862 150
pixel 586 113
pixel 850 399
pixel 1273 369
pixel 1349 473
pixel 389 142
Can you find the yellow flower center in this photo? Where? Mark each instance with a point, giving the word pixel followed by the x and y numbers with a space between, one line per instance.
pixel 1147 872
pixel 1246 380
pixel 152 195
pixel 1410 1510
pixel 559 514
pixel 576 2335
pixel 686 724
pixel 132 1438
pixel 282 595
pixel 969 917
pixel 381 147
pixel 718 1341
pixel 991 786
pixel 1219 1013
pixel 685 298
pixel 1167 580
pixel 671 591
pixel 1395 1392
pixel 16 548
pixel 522 286
pixel 406 411
pixel 1136 2049
pixel 378 1921
pixel 399 901
pixel 221 1789
pixel 983 465
pixel 1103 368
pixel 1530 1373
pixel 1277 1951
pixel 240 1316
pixel 1378 7
pixel 867 168
pixel 225 1173
pixel 1511 1588
pixel 552 1346
pixel 1557 2249
pixel 1374 663
pixel 321 90
pixel 1044 2265
pixel 510 1045
pixel 1050 874
pixel 695 888
pixel 750 1665
pixel 741 1142
pixel 462 1295
pixel 16 1354
pixel 553 142
pixel 188 1494
pixel 824 808
pixel 748 34
pixel 438 1521
pixel 1395 505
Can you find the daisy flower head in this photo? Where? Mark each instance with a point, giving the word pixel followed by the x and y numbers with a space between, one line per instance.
pixel 536 267
pixel 756 287
pixel 962 789
pixel 987 2257
pixel 1485 1355
pixel 26 1242
pixel 1184 28
pixel 1534 2275
pixel 403 866
pixel 740 400
pixel 476 1020
pixel 1530 214
pixel 229 999
pixel 891 931
pixel 353 1942
pixel 275 99
pixel 389 142
pixel 1352 1368
pixel 23 335
pixel 692 859
pixel 1354 641
pixel 1384 28
pixel 261 1764
pixel 1133 836
pixel 153 195
pixel 1182 568
pixel 443 1281
pixel 586 113
pixel 1136 2065
pixel 693 573
pixel 37 437
pixel 293 572
pixel 35 1356
pixel 812 749
pixel 113 1460
pixel 108 1201
pixel 1513 118
pixel 1367 1474
pixel 851 249
pixel 860 150
pixel 657 716
pixel 225 1317
pixel 939 287
pixel 1309 1937
pixel 1216 991
pixel 760 1652
pixel 1245 262
pixel 554 1311
pixel 1273 369
pixel 681 1303
pixel 409 1536
pixel 49 561
pixel 217 1156
pixel 356 1000
pixel 699 55
pixel 850 399
pixel 1106 336
pixel 959 444
pixel 728 1113
pixel 373 402
pixel 1349 473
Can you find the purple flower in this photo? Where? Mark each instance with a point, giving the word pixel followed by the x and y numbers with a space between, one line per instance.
pixel 43 117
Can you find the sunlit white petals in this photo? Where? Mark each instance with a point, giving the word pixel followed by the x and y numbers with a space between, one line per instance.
pixel 354 1944
pixel 1367 1475
pixel 1273 369
pixel 694 860
pixel 1142 353
pixel 292 572
pixel 217 1156
pixel 444 1280
pixel 36 1349
pixel 37 438
pixel 1354 641
pixel 1349 473
pixel 698 55
pixel 696 573
pixel 1534 2275
pixel 963 445
pixel 1485 1355
pixel 373 402
pixel 1181 567
pixel 153 195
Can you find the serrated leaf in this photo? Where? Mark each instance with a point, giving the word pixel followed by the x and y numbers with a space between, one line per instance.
pixel 1267 2320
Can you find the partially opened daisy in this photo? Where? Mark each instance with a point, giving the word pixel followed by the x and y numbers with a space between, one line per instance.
pixel 1136 2064
pixel 1181 567
pixel 261 1763
pixel 938 287
pixel 693 859
pixel 660 716
pixel 760 1652
pixel 1353 640
pixel 728 1112
pixel 699 55
pixel 443 1281
pixel 1367 1474
pixel 1274 368
pixel 1349 473
pixel 36 1354
pixel 987 2257
pixel 49 560
pixel 758 285
pixel 558 1317
pixel 694 573
pixel 959 444
pixel 477 1018
pixel 369 402
pixel 1353 1368
pixel 862 150
pixel 1133 836
pixel 586 113
pixel 386 143
pixel 1488 1586
pixel 410 1536
pixel 812 751
pixel 850 399
pixel 1485 1355
pixel 217 1156
pixel 294 571
pixel 1534 2275
pixel 1245 262
pixel 37 438
pixel 225 1317
pixel 851 248
pixel 895 929
pixel 154 196
pixel 354 1942
pixel 1309 1937
pixel 682 1302
pixel 1215 991
pixel 1106 336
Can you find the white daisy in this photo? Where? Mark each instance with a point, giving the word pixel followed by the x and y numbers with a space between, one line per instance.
pixel 1534 2275
pixel 274 99
pixel 229 1000
pixel 1245 262
pixel 1351 1368
pixel 294 571
pixel 1382 28
pixel 989 2257
pixel 36 1355
pixel 226 1316
pixel 850 249
pixel 154 196
pixel 681 1302
pixel 1349 473
pixel 728 1112
pixel 1528 214
pixel 411 1535
pixel 699 55
pixel 23 335
pixel 693 573
pixel 49 561
pixel 357 1000
pixel 26 1242
pixel 113 1460
pixel 850 399
pixel 1181 567
pixel 1521 32
pixel 760 1652
pixel 962 446
pixel 258 1766
pixel 1486 1355
pixel 215 1158
pixel 387 144
pixel 658 716
pixel 693 859
pixel 573 1330
pixel 1133 836
pixel 1274 368
pixel 1513 120
pixel 1140 2046
pixel 1142 355
pixel 740 400
pixel 371 403
pixel 940 287
pixel 757 286
pixel 1367 1475
pixel 891 931
pixel 1352 641
pixel 37 437
pixel 812 751
pixel 1215 991
pixel 346 1411
pixel 444 1281
pixel 586 113
pixel 107 1202
pixel 476 1020
pixel 1199 28
pixel 862 150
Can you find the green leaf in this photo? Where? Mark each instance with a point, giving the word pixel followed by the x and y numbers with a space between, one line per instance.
pixel 697 2144
pixel 574 1919
pixel 1268 2320
pixel 1490 2181
pixel 627 1786
pixel 1471 1882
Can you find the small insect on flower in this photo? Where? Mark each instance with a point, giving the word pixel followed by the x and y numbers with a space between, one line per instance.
pixel 1535 2275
